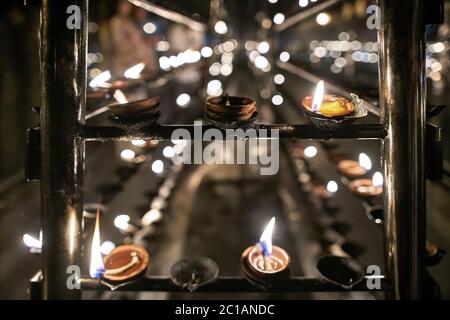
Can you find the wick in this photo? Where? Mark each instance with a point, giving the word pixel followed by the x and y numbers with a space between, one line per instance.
pixel 267 264
pixel 227 99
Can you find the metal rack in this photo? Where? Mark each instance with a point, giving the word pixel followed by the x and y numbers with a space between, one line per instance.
pixel 63 135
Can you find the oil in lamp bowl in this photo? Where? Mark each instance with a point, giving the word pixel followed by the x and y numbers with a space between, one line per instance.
pixel 125 262
pixel 364 188
pixel 335 111
pixel 252 264
pixel 230 110
pixel 351 168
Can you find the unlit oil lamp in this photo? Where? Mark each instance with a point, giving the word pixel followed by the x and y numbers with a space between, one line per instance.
pixel 123 263
pixel 193 272
pixel 264 263
pixel 355 169
pixel 329 112
pixel 230 110
pixel 367 188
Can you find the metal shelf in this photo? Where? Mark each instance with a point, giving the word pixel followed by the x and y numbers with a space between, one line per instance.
pixel 226 284
pixel 286 131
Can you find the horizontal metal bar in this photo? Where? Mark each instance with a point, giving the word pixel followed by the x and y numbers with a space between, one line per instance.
pixel 286 131
pixel 226 284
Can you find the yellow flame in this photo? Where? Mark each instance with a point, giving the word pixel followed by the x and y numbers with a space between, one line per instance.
pixel 318 96
pixel 135 71
pixel 364 161
pixel 96 266
pixel 377 179
pixel 100 80
pixel 120 96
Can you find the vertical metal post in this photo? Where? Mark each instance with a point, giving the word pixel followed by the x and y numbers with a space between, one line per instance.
pixel 63 68
pixel 402 97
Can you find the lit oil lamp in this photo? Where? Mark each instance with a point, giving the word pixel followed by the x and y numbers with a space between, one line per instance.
pixel 355 169
pixel 132 78
pixel 231 110
pixel 121 264
pixel 329 112
pixel 134 111
pixel 264 263
pixel 367 188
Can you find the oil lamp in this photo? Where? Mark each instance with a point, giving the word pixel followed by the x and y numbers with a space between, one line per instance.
pixel 327 111
pixel 122 263
pixel 230 110
pixel 366 188
pixel 355 169
pixel 264 263
pixel 133 111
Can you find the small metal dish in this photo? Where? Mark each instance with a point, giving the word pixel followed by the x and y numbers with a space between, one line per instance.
pixel 191 273
pixel 342 271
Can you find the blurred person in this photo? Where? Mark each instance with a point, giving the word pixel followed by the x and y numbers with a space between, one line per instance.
pixel 129 47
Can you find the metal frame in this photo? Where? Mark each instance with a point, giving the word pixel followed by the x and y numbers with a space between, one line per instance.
pixel 63 65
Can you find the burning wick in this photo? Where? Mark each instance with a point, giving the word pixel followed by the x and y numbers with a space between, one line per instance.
pixel 120 97
pixel 96 268
pixel 266 244
pixel 318 96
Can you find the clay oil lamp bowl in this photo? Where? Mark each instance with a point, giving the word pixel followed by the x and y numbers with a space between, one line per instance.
pixel 367 188
pixel 330 112
pixel 125 263
pixel 355 169
pixel 230 110
pixel 129 112
pixel 265 264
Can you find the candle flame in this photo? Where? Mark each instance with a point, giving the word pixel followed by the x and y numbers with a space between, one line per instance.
pixel 266 238
pixel 377 179
pixel 120 96
pixel 100 79
pixel 364 161
pixel 135 71
pixel 318 96
pixel 96 267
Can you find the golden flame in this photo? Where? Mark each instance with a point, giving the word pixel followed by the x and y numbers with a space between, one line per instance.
pixel 266 237
pixel 120 96
pixel 318 96
pixel 135 71
pixel 96 267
